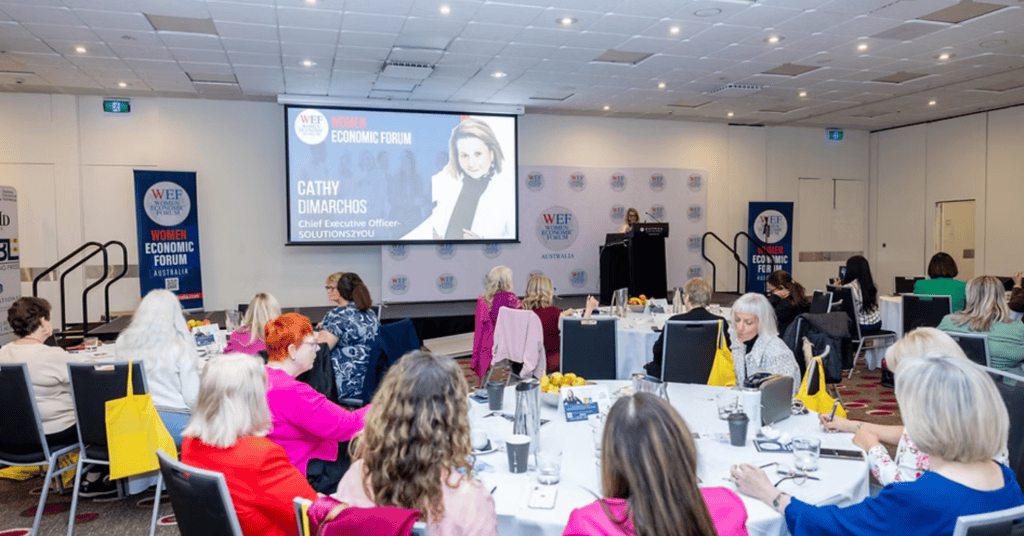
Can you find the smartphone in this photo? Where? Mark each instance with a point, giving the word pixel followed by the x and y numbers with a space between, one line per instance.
pixel 543 497
pixel 842 454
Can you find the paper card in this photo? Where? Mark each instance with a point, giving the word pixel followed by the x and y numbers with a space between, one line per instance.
pixel 582 401
pixel 771 445
pixel 205 335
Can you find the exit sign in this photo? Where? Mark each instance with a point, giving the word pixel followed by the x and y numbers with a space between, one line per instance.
pixel 834 133
pixel 117 106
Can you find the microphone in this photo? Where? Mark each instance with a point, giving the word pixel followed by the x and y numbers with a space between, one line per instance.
pixel 653 217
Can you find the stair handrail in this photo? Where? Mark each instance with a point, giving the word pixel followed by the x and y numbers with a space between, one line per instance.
pixel 760 246
pixel 124 272
pixel 85 293
pixel 714 269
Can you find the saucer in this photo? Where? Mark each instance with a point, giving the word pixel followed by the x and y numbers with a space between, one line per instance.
pixel 488 448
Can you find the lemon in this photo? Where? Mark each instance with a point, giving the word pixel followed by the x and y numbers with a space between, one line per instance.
pixel 556 378
pixel 578 382
pixel 568 378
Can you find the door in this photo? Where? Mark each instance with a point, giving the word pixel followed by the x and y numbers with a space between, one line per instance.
pixel 956 234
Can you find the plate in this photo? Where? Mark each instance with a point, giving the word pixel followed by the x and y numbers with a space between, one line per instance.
pixel 486 450
pixel 481 393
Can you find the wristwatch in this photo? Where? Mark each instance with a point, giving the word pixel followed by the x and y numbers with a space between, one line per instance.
pixel 775 501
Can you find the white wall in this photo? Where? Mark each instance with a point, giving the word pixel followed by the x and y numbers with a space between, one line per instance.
pixel 73 165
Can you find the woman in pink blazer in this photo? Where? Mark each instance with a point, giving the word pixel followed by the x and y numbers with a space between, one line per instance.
pixel 649 475
pixel 498 294
pixel 305 423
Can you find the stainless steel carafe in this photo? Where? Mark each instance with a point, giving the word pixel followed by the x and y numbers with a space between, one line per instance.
pixel 527 417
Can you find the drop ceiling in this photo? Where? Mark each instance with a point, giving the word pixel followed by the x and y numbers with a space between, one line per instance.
pixel 866 64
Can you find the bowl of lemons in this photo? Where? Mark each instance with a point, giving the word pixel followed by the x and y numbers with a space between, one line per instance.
pixel 551 386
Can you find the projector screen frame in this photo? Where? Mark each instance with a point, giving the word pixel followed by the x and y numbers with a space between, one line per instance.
pixel 288 207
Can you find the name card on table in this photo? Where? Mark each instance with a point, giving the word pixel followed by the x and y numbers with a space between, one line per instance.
pixel 583 401
pixel 205 335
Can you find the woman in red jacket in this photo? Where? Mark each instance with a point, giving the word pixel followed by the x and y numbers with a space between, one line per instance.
pixel 225 435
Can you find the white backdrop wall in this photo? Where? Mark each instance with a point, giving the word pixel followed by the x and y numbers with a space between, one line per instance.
pixel 73 165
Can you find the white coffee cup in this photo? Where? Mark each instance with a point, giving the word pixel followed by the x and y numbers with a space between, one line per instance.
pixel 479 439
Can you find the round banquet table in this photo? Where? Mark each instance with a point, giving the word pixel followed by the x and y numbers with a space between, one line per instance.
pixel 843 482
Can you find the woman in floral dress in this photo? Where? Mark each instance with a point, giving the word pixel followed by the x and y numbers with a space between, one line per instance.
pixel 350 331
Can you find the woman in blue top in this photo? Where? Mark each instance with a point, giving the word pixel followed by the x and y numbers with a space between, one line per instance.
pixel 350 331
pixel 954 413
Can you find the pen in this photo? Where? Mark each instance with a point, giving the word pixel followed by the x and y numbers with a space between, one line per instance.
pixel 832 414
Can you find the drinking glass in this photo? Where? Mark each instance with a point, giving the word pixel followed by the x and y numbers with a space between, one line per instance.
pixel 806 451
pixel 549 464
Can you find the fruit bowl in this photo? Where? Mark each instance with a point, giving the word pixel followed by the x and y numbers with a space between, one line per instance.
pixel 636 308
pixel 551 399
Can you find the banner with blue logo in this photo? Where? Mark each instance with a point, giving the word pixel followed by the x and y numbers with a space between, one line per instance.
pixel 772 224
pixel 167 222
pixel 10 259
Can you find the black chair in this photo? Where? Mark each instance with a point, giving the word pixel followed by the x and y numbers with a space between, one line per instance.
pixel 905 285
pixel 689 350
pixel 975 345
pixel 588 347
pixel 821 302
pixel 1011 388
pixel 845 295
pixel 23 442
pixel 200 499
pixel 920 310
pixel 92 385
pixel 998 523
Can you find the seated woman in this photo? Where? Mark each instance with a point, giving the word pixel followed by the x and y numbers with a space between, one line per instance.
pixel 306 424
pixel 954 413
pixel 941 271
pixel 756 344
pixel 497 294
pixel 649 476
pixel 350 331
pixel 159 338
pixel 787 297
pixel 910 462
pixel 865 293
pixel 539 295
pixel 248 338
pixel 225 435
pixel 415 450
pixel 987 312
pixel 697 294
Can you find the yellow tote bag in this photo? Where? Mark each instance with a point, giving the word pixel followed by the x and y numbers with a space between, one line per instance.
pixel 819 402
pixel 723 374
pixel 134 433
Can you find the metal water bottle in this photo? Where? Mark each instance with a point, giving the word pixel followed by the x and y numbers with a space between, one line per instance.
pixel 527 417
pixel 752 407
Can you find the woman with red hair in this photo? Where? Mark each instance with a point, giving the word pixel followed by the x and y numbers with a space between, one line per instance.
pixel 305 423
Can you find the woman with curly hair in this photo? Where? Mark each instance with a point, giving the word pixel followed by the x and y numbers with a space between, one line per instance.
pixel 414 451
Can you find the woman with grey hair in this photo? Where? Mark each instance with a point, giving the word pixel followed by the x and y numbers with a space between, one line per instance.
pixel 756 344
pixel 987 313
pixel 954 413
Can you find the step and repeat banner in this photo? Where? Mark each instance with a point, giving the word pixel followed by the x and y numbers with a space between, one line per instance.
pixel 564 215
pixel 10 259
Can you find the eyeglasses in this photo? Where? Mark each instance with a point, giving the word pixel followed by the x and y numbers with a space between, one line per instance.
pixel 798 477
pixel 311 342
pixel 329 288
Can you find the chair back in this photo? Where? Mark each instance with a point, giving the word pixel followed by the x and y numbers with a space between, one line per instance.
pixel 905 285
pixel 393 341
pixel 1011 388
pixel 1000 522
pixel 92 385
pixel 588 347
pixel 975 345
pixel 23 439
pixel 689 350
pixel 821 302
pixel 845 302
pixel 924 310
pixel 199 498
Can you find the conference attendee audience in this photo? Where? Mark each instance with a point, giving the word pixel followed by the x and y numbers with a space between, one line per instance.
pixel 1017 293
pixel 497 294
pixel 910 463
pixel 697 294
pixel 954 413
pixel 248 338
pixel 225 435
pixel 350 331
pixel 415 450
pixel 305 423
pixel 29 318
pixel 540 293
pixel 632 218
pixel 159 338
pixel 987 312
pixel 649 479
pixel 787 297
pixel 865 293
pixel 941 271
pixel 757 346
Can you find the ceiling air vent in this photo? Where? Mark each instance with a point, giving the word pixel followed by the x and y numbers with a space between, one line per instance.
pixel 411 71
pixel 734 90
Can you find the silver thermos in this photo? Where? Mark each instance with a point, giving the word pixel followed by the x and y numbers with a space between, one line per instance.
pixel 527 418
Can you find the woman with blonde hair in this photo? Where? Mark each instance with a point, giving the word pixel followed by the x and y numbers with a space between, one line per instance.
pixel 540 293
pixel 249 337
pixel 756 346
pixel 159 337
pixel 632 218
pixel 415 450
pixel 497 294
pixel 954 413
pixel 987 312
pixel 225 435
pixel 649 478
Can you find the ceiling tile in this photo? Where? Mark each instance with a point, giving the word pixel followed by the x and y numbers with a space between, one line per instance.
pixel 246 31
pixel 463 10
pixel 726 33
pixel 622 24
pixel 495 32
pixel 246 13
pixel 143 53
pixel 33 46
pixel 199 56
pixel 144 66
pixel 26 13
pixel 114 20
pixel 254 60
pixel 191 40
pixel 309 18
pixel 362 53
pixel 366 22
pixel 129 37
pixel 251 46
pixel 68 49
pixel 367 39
pixel 507 14
pixel 69 33
pixel 308 36
pixel 391 7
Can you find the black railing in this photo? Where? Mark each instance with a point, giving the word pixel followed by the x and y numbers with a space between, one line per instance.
pixel 760 247
pixel 735 255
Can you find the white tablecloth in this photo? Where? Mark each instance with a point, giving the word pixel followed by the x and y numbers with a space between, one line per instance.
pixel 842 482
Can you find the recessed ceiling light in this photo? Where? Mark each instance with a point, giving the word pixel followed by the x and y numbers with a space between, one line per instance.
pixel 445 10
pixel 775 39
pixel 308 63
pixel 931 103
pixel 310 1
pixel 862 46
pixel 498 74
pixel 661 85
pixel 80 50
pixel 944 56
pixel 607 107
pixel 674 30
pixel 122 84
pixel 708 12
pixel 566 21
pixel 729 114
pixel 803 93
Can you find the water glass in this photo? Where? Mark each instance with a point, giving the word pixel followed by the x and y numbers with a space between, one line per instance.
pixel 728 403
pixel 549 465
pixel 806 451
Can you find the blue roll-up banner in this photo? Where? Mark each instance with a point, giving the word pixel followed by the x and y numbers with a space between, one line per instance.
pixel 772 224
pixel 167 221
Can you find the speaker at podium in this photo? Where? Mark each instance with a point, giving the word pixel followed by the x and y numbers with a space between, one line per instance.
pixel 636 260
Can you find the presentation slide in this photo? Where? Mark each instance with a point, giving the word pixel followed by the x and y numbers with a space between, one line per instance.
pixel 360 176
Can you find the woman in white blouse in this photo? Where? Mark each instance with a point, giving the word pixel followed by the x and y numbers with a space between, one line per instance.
pixel 756 345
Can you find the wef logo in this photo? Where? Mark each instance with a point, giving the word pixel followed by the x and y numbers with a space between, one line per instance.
pixel 446 283
pixel 618 182
pixel 657 182
pixel 578 278
pixel 577 182
pixel 445 251
pixel 398 252
pixel 535 182
pixel 167 203
pixel 557 228
pixel 398 284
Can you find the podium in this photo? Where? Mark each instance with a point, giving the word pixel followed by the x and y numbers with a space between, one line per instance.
pixel 635 260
